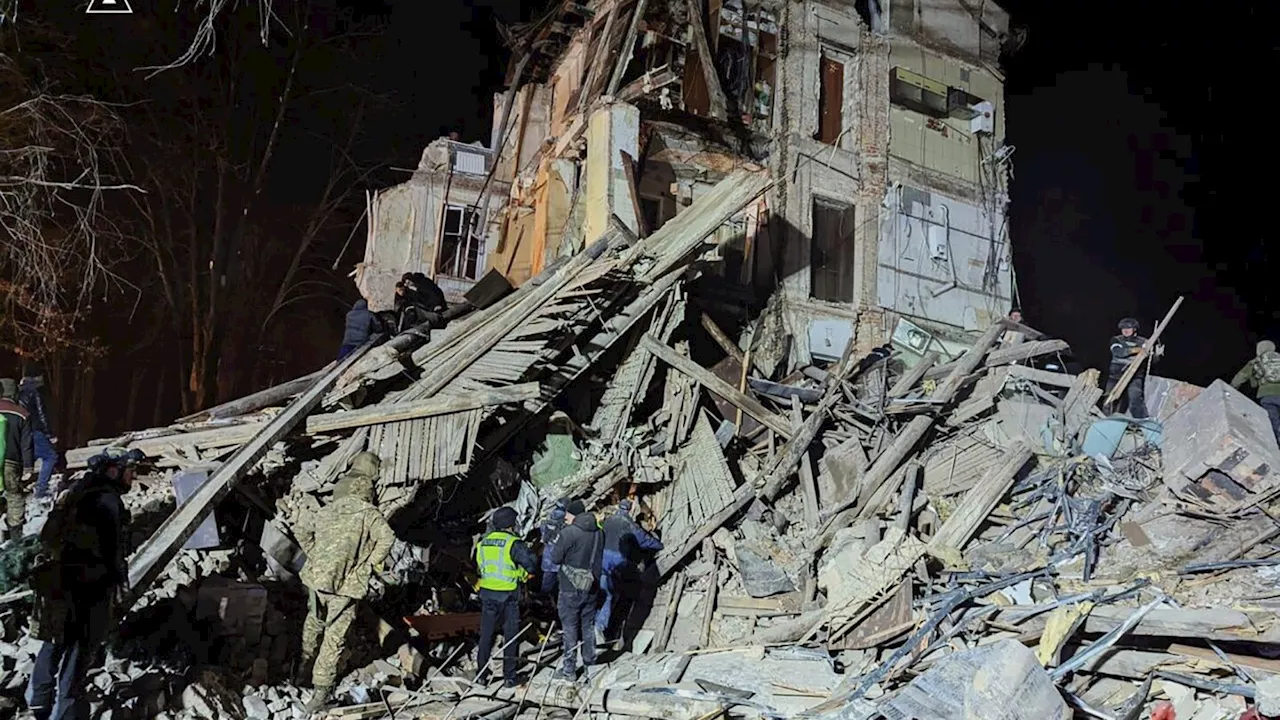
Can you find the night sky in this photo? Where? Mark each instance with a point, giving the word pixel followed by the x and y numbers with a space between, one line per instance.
pixel 1134 177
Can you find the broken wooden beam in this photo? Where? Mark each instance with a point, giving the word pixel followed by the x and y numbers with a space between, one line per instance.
pixel 722 339
pixel 704 377
pixel 913 376
pixel 904 444
pixel 160 548
pixel 1005 356
pixel 329 422
pixel 274 395
pixel 667 561
pixel 1047 377
pixel 980 500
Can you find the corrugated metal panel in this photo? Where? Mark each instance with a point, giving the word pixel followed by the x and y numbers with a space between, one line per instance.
pixel 468 163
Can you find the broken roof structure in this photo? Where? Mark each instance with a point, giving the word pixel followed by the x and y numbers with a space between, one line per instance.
pixel 715 216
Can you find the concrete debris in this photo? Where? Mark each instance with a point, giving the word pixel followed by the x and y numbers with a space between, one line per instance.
pixel 906 509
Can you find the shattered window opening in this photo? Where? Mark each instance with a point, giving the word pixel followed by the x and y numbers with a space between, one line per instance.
pixel 460 248
pixel 830 100
pixel 831 256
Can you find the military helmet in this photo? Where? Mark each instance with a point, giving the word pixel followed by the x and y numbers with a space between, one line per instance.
pixel 1129 324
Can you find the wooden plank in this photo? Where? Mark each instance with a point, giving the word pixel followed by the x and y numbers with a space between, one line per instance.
pixel 626 50
pixel 704 377
pixel 329 422
pixel 980 500
pixel 913 376
pixel 1005 356
pixel 887 622
pixel 742 497
pixel 159 549
pixel 904 444
pixel 722 339
pixel 1057 379
pixel 1135 363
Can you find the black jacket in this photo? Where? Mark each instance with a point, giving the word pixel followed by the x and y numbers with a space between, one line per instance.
pixel 19 446
pixel 31 396
pixel 575 547
pixel 96 545
pixel 1120 348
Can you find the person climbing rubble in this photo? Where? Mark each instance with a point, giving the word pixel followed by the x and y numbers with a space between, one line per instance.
pixel 580 555
pixel 18 452
pixel 361 324
pixel 550 531
pixel 1263 373
pixel 503 561
pixel 345 545
pixel 31 397
pixel 624 541
pixel 1124 348
pixel 418 300
pixel 77 581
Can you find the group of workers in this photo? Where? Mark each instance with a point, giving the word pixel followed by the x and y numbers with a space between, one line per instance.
pixel 418 300
pixel 590 567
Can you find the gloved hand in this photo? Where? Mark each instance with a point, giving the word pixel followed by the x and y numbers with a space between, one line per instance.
pixel 1158 350
pixel 1135 351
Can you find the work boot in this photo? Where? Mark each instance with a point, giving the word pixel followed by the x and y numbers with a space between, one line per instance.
pixel 565 676
pixel 319 698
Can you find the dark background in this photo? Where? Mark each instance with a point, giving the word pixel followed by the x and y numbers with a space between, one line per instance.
pixel 1137 173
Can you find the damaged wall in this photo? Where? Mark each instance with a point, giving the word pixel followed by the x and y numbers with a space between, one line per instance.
pixel 420 225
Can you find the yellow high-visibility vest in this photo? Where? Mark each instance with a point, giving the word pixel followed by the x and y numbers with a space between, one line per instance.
pixel 493 558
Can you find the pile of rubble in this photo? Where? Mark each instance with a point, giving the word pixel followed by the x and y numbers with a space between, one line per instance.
pixel 887 536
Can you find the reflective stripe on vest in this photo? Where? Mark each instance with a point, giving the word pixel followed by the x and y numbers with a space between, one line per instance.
pixel 493 557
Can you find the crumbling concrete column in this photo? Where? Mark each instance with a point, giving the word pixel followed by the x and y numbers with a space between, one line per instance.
pixel 612 130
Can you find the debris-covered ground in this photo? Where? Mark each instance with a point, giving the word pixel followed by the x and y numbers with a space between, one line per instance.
pixel 883 536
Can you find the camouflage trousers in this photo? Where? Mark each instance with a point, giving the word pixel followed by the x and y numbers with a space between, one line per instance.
pixel 15 495
pixel 324 635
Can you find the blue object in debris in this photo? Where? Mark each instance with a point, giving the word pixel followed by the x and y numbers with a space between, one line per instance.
pixel 1105 436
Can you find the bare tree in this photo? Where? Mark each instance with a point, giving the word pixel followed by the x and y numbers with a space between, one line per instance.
pixel 59 155
pixel 227 264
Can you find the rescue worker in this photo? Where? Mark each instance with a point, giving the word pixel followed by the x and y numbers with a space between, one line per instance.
pixel 1124 347
pixel 361 324
pixel 580 555
pixel 1013 337
pixel 550 530
pixel 19 456
pixel 503 562
pixel 77 581
pixel 346 544
pixel 1263 373
pixel 31 397
pixel 418 301
pixel 624 541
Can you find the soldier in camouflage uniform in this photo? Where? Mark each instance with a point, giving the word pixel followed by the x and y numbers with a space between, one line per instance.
pixel 347 542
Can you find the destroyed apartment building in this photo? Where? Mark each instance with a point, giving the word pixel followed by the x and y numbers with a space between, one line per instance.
pixel 709 222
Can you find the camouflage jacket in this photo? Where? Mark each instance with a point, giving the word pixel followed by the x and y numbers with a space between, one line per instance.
pixel 349 539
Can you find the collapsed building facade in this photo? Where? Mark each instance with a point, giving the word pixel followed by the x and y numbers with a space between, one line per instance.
pixel 880 124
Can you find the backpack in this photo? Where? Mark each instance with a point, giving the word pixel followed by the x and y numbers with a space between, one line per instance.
pixel 1269 367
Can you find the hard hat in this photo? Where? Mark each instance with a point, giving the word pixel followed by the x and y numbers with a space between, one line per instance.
pixel 1129 323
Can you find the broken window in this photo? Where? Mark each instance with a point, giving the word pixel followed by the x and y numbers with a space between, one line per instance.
pixel 930 97
pixel 831 252
pixel 461 249
pixel 830 100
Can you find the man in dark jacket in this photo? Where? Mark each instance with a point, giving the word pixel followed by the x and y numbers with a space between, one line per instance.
pixel 31 396
pixel 360 326
pixel 82 573
pixel 19 456
pixel 419 301
pixel 1124 349
pixel 624 543
pixel 579 553
pixel 504 561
